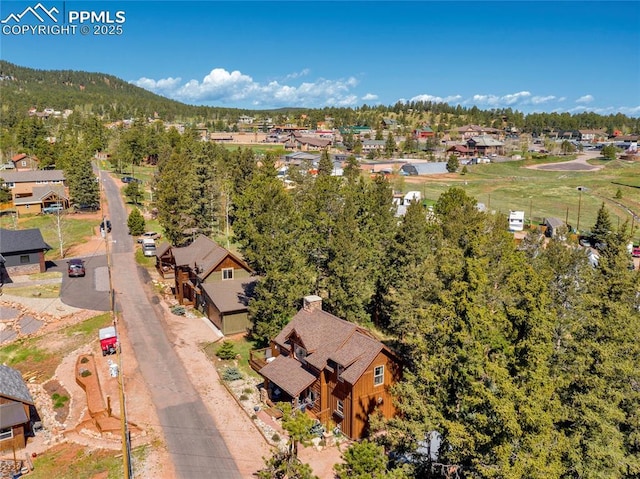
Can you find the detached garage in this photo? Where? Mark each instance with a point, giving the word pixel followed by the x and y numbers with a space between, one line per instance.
pixel 227 304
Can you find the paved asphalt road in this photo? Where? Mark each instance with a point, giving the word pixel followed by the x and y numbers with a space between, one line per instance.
pixel 90 291
pixel 196 446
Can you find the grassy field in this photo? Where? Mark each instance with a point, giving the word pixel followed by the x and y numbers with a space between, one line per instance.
pixel 71 461
pixel 510 186
pixel 75 229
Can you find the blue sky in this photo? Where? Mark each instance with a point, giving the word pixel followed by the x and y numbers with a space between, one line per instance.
pixel 530 56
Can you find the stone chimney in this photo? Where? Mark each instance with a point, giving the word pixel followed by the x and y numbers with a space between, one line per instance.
pixel 312 302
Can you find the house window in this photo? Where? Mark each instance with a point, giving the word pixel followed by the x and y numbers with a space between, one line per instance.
pixel 227 273
pixel 378 375
pixel 340 408
pixel 24 259
pixel 6 433
pixel 24 163
pixel 300 353
pixel 11 184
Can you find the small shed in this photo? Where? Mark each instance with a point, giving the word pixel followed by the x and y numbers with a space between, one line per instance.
pixel 553 226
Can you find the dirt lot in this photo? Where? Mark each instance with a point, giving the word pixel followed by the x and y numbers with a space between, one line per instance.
pixel 68 425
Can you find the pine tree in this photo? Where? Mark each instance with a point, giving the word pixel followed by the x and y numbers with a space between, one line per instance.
pixel 600 371
pixel 174 197
pixel 452 164
pixel 325 165
pixel 136 223
pixel 83 185
pixel 602 227
pixel 268 228
pixel 476 334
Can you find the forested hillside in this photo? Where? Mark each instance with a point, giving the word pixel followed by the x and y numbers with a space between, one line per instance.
pixel 111 99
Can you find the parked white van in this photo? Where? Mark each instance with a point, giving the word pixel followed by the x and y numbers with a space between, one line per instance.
pixel 148 247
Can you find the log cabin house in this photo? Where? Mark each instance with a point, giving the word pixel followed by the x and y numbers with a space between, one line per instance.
pixel 336 371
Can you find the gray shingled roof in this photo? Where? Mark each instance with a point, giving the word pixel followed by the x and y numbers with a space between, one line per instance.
pixel 230 295
pixel 16 241
pixel 162 248
pixel 34 175
pixel 486 141
pixel 40 192
pixel 12 414
pixel 12 385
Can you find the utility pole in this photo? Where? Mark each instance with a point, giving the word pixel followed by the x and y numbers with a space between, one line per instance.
pixel 126 445
pixel 579 205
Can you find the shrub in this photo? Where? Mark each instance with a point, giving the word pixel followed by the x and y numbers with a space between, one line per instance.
pixel 231 374
pixel 58 401
pixel 178 310
pixel 244 397
pixel 84 360
pixel 275 437
pixel 226 351
pixel 247 390
pixel 85 373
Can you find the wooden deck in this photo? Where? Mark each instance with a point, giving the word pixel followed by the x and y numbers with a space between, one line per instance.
pixel 258 358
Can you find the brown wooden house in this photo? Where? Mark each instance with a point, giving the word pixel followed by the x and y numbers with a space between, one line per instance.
pixel 24 162
pixel 16 406
pixel 335 370
pixel 212 279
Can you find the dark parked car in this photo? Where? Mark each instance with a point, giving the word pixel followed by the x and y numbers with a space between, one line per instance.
pixel 87 207
pixel 75 268
pixel 106 224
pixel 129 179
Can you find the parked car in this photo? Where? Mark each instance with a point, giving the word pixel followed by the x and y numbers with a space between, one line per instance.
pixel 84 207
pixel 75 268
pixel 149 235
pixel 52 209
pixel 585 241
pixel 105 224
pixel 129 179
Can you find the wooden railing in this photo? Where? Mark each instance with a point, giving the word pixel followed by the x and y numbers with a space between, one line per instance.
pixel 258 358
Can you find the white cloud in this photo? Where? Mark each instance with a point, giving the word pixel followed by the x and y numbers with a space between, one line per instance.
pixel 302 73
pixel 536 100
pixel 585 99
pixel 630 110
pixel 369 97
pixel 235 87
pixel 166 84
pixel 496 101
pixel 437 99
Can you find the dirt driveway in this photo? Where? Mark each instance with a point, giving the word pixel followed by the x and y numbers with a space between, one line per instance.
pixel 579 164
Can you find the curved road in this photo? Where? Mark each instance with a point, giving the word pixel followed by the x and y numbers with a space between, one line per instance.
pixel 195 444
